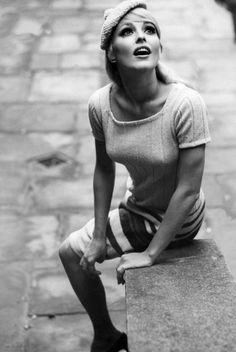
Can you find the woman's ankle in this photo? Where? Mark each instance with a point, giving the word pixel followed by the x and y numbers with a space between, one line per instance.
pixel 107 335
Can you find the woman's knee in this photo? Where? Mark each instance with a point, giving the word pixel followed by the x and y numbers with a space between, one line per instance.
pixel 66 253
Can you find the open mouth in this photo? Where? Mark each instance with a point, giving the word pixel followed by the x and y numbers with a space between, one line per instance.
pixel 142 51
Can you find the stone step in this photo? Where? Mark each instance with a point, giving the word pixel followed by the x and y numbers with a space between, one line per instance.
pixel 187 302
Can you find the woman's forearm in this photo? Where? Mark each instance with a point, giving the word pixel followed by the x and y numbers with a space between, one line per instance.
pixel 179 207
pixel 103 184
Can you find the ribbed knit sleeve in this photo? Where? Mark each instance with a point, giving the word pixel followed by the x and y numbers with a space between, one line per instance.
pixel 95 116
pixel 191 125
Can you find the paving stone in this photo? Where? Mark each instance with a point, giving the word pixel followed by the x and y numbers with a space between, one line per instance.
pixel 69 86
pixel 217 101
pixel 44 61
pixel 23 147
pixel 14 285
pixel 223 81
pixel 13 192
pixel 220 161
pixel 51 292
pixel 86 154
pixel 39 118
pixel 227 183
pixel 29 237
pixel 53 165
pixel 223 129
pixel 91 42
pixel 59 44
pixel 184 69
pixel 28 25
pixel 82 123
pixel 78 220
pixel 222 228
pixel 14 88
pixel 13 52
pixel 80 61
pixel 198 314
pixel 214 193
pixel 92 4
pixel 69 4
pixel 65 333
pixel 62 194
pixel 78 24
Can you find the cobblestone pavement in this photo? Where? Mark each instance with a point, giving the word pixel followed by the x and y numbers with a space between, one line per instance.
pixel 50 63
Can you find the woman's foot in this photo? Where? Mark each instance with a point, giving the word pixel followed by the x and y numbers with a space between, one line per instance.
pixel 111 344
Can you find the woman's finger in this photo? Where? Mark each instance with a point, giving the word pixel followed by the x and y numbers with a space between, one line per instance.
pixel 120 274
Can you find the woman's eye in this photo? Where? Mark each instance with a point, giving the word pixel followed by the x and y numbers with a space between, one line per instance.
pixel 150 30
pixel 126 31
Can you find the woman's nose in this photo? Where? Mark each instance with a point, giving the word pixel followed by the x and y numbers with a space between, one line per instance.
pixel 140 36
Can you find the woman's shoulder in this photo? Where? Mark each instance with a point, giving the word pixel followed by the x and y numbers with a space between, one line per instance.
pixel 188 96
pixel 99 96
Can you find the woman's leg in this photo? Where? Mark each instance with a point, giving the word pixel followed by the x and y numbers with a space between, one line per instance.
pixel 90 291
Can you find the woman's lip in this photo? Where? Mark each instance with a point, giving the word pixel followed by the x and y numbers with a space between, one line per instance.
pixel 148 51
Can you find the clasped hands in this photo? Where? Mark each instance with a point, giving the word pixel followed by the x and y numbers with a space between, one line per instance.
pixel 96 252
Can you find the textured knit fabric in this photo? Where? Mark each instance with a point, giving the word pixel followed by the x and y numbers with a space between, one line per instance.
pixel 149 148
pixel 114 15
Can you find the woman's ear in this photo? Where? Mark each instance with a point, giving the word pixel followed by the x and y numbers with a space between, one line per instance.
pixel 111 54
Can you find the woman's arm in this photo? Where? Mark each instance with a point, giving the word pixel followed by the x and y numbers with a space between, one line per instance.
pixel 103 184
pixel 189 177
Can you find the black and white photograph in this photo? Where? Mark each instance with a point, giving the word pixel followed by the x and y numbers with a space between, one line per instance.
pixel 118 176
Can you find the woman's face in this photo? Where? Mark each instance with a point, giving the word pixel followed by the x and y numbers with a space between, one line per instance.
pixel 135 43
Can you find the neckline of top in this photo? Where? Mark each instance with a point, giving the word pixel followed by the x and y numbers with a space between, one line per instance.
pixel 144 120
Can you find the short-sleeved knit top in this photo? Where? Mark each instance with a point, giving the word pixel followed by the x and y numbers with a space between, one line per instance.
pixel 149 147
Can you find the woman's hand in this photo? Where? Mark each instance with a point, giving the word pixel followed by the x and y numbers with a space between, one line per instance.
pixel 132 260
pixel 95 252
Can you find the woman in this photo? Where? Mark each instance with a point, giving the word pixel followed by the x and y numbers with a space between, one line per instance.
pixel 157 128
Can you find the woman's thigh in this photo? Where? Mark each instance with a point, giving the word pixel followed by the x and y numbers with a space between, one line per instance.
pixel 126 232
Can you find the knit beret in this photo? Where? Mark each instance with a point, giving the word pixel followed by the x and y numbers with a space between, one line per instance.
pixel 113 16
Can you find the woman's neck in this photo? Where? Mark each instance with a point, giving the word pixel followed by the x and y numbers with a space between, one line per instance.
pixel 140 87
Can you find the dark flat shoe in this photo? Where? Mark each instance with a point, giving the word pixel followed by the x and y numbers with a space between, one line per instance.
pixel 120 344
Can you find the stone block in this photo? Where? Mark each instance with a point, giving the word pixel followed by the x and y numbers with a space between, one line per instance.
pixel 29 237
pixel 72 24
pixel 14 88
pixel 78 220
pixel 220 160
pixel 52 294
pixel 92 4
pixel 13 52
pixel 64 5
pixel 44 62
pixel 215 195
pixel 23 118
pixel 13 303
pixel 65 333
pixel 80 60
pixel 227 182
pixel 223 129
pixel 222 227
pixel 59 43
pixel 186 304
pixel 69 86
pixel 62 194
pixel 23 147
pixel 13 185
pixel 27 25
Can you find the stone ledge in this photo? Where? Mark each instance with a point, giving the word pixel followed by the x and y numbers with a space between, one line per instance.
pixel 183 303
